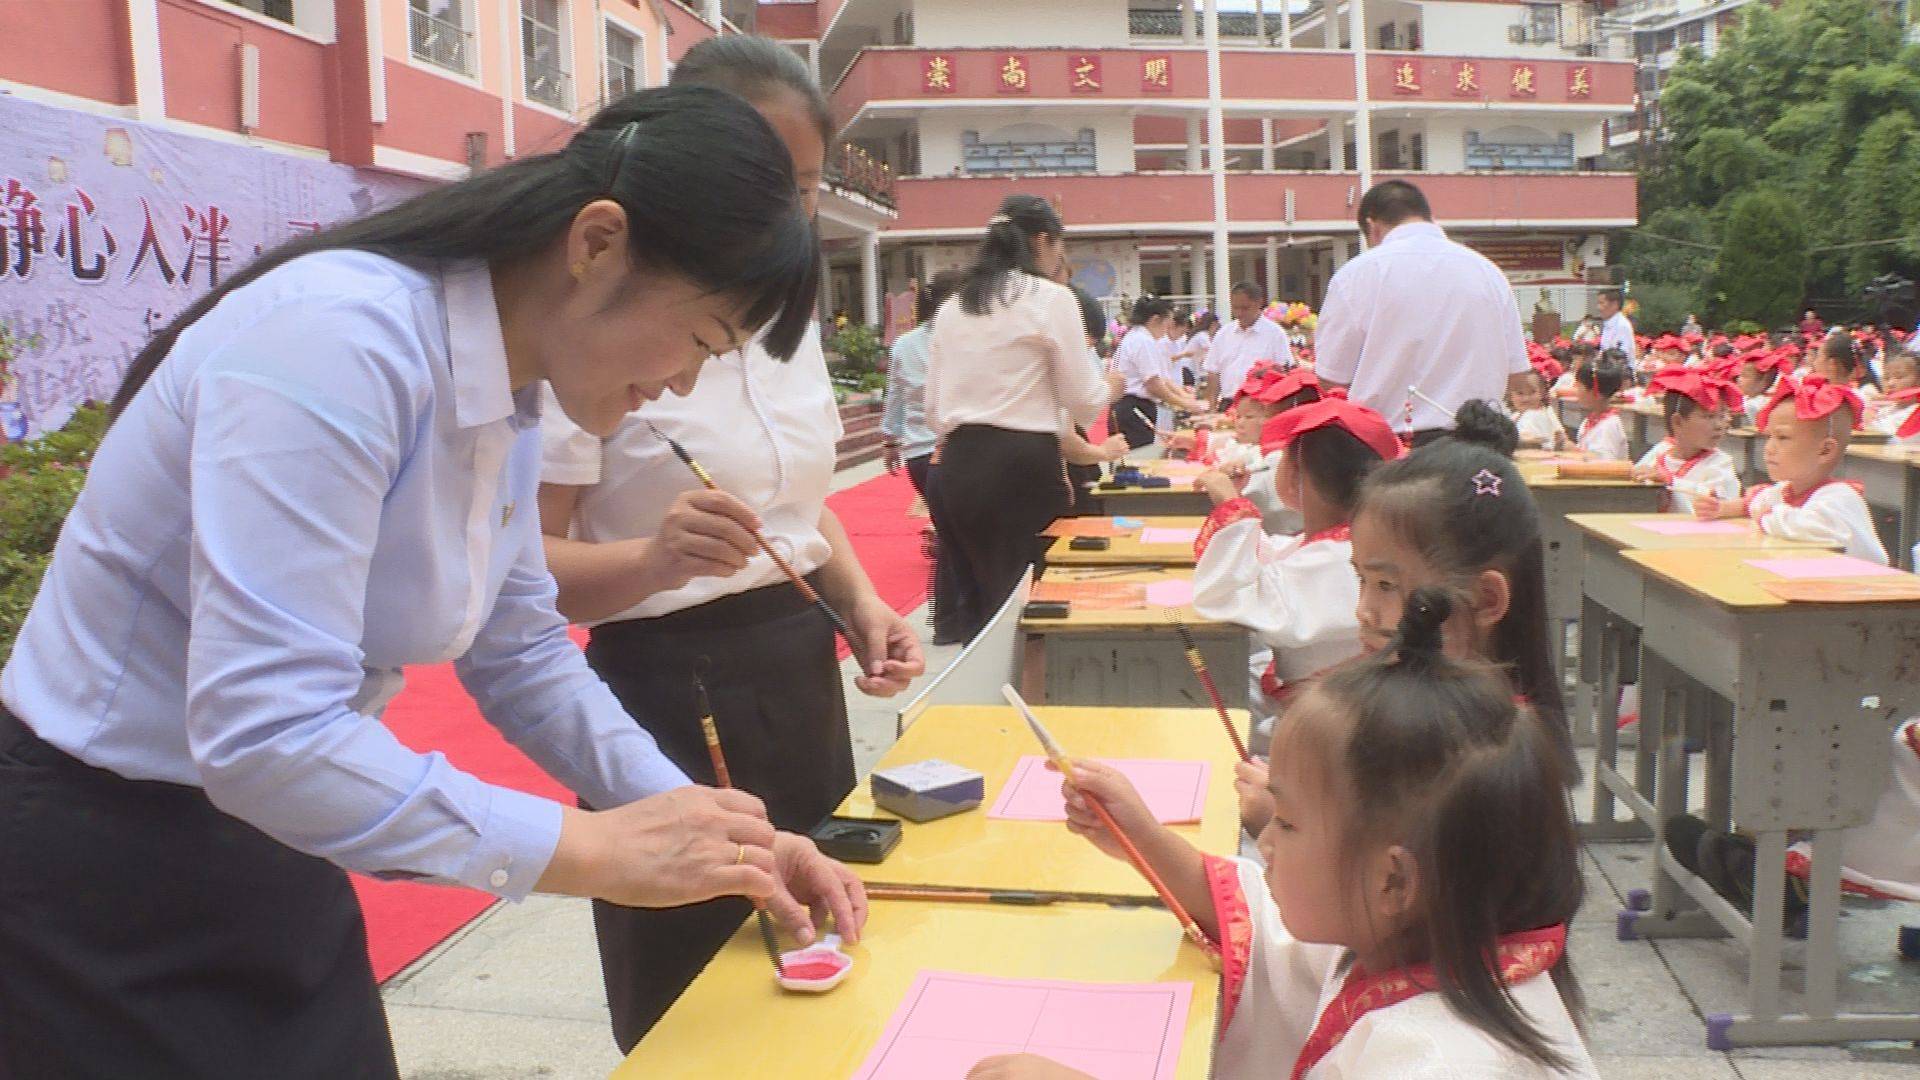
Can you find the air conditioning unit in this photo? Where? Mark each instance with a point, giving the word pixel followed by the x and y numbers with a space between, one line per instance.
pixel 1517 33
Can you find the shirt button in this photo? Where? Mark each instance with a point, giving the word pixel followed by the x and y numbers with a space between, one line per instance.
pixel 498 879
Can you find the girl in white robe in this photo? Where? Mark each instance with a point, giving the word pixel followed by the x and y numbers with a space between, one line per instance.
pixel 1380 939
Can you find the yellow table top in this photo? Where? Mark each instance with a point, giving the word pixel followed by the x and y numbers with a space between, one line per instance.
pixel 1723 576
pixel 1128 550
pixel 1897 453
pixel 974 850
pixel 734 1022
pixel 1148 617
pixel 1621 531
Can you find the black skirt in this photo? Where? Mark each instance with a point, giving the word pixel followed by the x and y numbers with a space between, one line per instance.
pixel 1132 416
pixel 767 658
pixel 145 933
pixel 997 489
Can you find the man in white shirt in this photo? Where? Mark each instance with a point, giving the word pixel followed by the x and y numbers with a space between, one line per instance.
pixel 1242 342
pixel 1616 330
pixel 1418 310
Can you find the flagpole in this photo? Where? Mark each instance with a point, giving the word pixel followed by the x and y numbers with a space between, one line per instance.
pixel 1217 154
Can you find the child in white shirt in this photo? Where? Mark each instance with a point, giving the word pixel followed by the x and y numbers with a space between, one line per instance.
pixel 1602 435
pixel 1296 593
pixel 1897 412
pixel 1808 426
pixel 1419 930
pixel 1689 461
pixel 1539 428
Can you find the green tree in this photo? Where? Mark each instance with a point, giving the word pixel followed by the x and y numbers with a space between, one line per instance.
pixel 1761 271
pixel 1877 202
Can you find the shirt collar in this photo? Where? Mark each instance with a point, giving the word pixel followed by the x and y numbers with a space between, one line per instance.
pixel 1408 230
pixel 476 348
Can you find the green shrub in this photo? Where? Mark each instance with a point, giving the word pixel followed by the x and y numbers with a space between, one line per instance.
pixel 860 348
pixel 43 478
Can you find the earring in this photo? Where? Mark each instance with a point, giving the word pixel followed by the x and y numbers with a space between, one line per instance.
pixel 579 269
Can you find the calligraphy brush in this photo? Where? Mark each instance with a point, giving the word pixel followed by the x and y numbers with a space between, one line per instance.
pixel 1165 433
pixel 1060 761
pixel 1199 665
pixel 806 590
pixel 721 777
pixel 1023 897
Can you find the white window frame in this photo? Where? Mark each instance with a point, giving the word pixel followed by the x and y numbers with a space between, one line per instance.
pixel 563 33
pixel 475 53
pixel 610 24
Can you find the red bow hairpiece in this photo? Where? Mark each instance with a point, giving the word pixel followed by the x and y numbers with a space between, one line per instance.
pixel 1706 389
pixel 1814 398
pixel 1668 342
pixel 1334 410
pixel 1276 387
pixel 1767 360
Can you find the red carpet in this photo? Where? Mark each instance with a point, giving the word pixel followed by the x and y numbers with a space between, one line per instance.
pixel 404 918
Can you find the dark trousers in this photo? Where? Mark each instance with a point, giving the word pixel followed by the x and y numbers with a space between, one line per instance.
pixel 1132 416
pixel 767 658
pixel 948 625
pixel 998 489
pixel 145 933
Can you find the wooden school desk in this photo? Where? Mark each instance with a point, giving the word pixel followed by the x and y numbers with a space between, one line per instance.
pixel 1558 498
pixel 1745 446
pixel 734 1022
pixel 1646 424
pixel 1127 550
pixel 1179 500
pixel 1098 656
pixel 972 850
pixel 1807 695
pixel 1613 605
pixel 1889 473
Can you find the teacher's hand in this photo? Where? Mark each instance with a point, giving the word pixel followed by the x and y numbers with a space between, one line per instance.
pixel 705 534
pixel 814 887
pixel 678 847
pixel 886 648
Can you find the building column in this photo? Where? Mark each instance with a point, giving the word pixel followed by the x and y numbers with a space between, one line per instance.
pixel 1266 144
pixel 1195 160
pixel 149 89
pixel 1186 22
pixel 1197 271
pixel 870 278
pixel 1286 24
pixel 1273 269
pixel 1335 144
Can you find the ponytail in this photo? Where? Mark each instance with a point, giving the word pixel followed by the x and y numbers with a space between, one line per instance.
pixel 1007 250
pixel 706 184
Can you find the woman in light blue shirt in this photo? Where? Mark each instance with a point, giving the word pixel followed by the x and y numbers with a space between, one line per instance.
pixel 325 470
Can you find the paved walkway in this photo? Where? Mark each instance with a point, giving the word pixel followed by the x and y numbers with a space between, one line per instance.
pixel 517 993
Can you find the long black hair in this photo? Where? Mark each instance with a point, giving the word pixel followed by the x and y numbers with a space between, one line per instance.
pixel 1463 506
pixel 707 187
pixel 756 68
pixel 1452 769
pixel 1007 251
pixel 1335 462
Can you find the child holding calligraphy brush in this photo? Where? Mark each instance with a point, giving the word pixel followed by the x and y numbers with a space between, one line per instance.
pixel 1411 915
pixel 1241 467
pixel 1296 593
pixel 1699 407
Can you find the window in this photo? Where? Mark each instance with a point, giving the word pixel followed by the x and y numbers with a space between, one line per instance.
pixel 1417 153
pixel 1389 36
pixel 1029 148
pixel 1387 152
pixel 272 9
pixel 543 53
pixel 1413 37
pixel 437 33
pixel 1519 149
pixel 1543 22
pixel 626 66
pixel 1692 33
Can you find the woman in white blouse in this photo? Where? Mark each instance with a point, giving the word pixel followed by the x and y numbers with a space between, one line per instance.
pixel 322 471
pixel 671 581
pixel 1008 356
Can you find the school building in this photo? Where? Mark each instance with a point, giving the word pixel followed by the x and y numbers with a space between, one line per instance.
pixel 1499 110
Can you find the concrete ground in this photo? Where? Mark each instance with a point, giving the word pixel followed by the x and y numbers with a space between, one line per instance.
pixel 517 993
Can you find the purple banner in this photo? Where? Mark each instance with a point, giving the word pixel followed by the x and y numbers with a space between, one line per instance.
pixel 109 228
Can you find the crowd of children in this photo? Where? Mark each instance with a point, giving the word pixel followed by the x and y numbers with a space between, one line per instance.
pixel 1417 867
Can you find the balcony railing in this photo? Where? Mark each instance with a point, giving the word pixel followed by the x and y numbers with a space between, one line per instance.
pixel 439 42
pixel 549 85
pixel 852 169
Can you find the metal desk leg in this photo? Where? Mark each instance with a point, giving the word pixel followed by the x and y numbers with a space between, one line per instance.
pixel 1606 729
pixel 1823 926
pixel 1719 748
pixel 1765 941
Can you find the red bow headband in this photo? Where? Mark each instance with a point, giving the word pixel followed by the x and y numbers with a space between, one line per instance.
pixel 1274 387
pixel 1691 338
pixel 1814 398
pixel 1334 410
pixel 1549 369
pixel 1706 389
pixel 1724 368
pixel 1767 360
pixel 1669 342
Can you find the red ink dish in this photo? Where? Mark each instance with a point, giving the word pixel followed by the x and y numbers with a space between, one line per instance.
pixel 815 969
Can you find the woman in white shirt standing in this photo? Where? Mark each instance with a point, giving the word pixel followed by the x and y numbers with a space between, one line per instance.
pixel 674 586
pixel 322 471
pixel 1008 355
